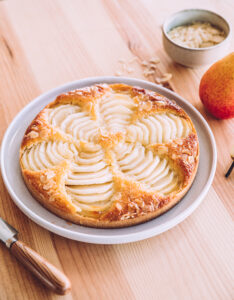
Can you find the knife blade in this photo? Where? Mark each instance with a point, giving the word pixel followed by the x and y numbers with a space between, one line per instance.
pixel 8 234
pixel 47 273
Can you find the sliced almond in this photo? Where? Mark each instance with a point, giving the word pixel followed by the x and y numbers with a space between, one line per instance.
pixel 157 80
pixel 130 70
pixel 152 67
pixel 118 206
pixel 118 73
pixel 148 73
pixel 154 60
pixel 190 159
pixel 144 63
pixel 33 134
pixel 166 77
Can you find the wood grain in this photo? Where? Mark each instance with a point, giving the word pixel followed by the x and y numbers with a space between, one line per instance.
pixel 47 43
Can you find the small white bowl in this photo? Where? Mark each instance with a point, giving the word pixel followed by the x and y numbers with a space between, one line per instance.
pixel 194 57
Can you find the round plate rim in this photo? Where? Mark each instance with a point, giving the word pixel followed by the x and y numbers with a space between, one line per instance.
pixel 100 239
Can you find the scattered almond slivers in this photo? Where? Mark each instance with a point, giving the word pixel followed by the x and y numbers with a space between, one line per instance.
pixel 118 73
pixel 166 77
pixel 130 70
pixel 144 63
pixel 154 60
pixel 148 73
pixel 149 69
pixel 197 35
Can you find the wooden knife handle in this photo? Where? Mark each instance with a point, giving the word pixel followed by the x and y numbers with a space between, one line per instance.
pixel 48 274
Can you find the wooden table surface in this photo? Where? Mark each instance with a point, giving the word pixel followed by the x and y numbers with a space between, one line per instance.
pixel 44 44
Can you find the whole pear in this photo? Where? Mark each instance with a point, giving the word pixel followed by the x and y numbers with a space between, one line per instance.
pixel 217 88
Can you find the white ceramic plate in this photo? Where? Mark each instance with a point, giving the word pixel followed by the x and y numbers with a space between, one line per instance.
pixel 12 176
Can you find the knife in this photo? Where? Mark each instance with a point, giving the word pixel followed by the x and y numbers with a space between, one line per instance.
pixel 48 274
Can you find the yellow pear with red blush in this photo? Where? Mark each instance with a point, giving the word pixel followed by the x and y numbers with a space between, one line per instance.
pixel 217 88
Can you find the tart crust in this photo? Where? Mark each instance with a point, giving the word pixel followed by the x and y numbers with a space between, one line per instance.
pixel 131 202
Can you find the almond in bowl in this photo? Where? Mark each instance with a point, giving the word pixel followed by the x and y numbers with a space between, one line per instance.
pixel 196 37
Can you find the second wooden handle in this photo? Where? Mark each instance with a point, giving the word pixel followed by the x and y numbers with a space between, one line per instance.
pixel 48 274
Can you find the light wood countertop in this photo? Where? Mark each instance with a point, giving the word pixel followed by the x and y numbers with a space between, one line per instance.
pixel 44 44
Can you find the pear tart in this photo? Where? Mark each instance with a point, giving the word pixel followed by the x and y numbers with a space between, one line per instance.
pixel 109 155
